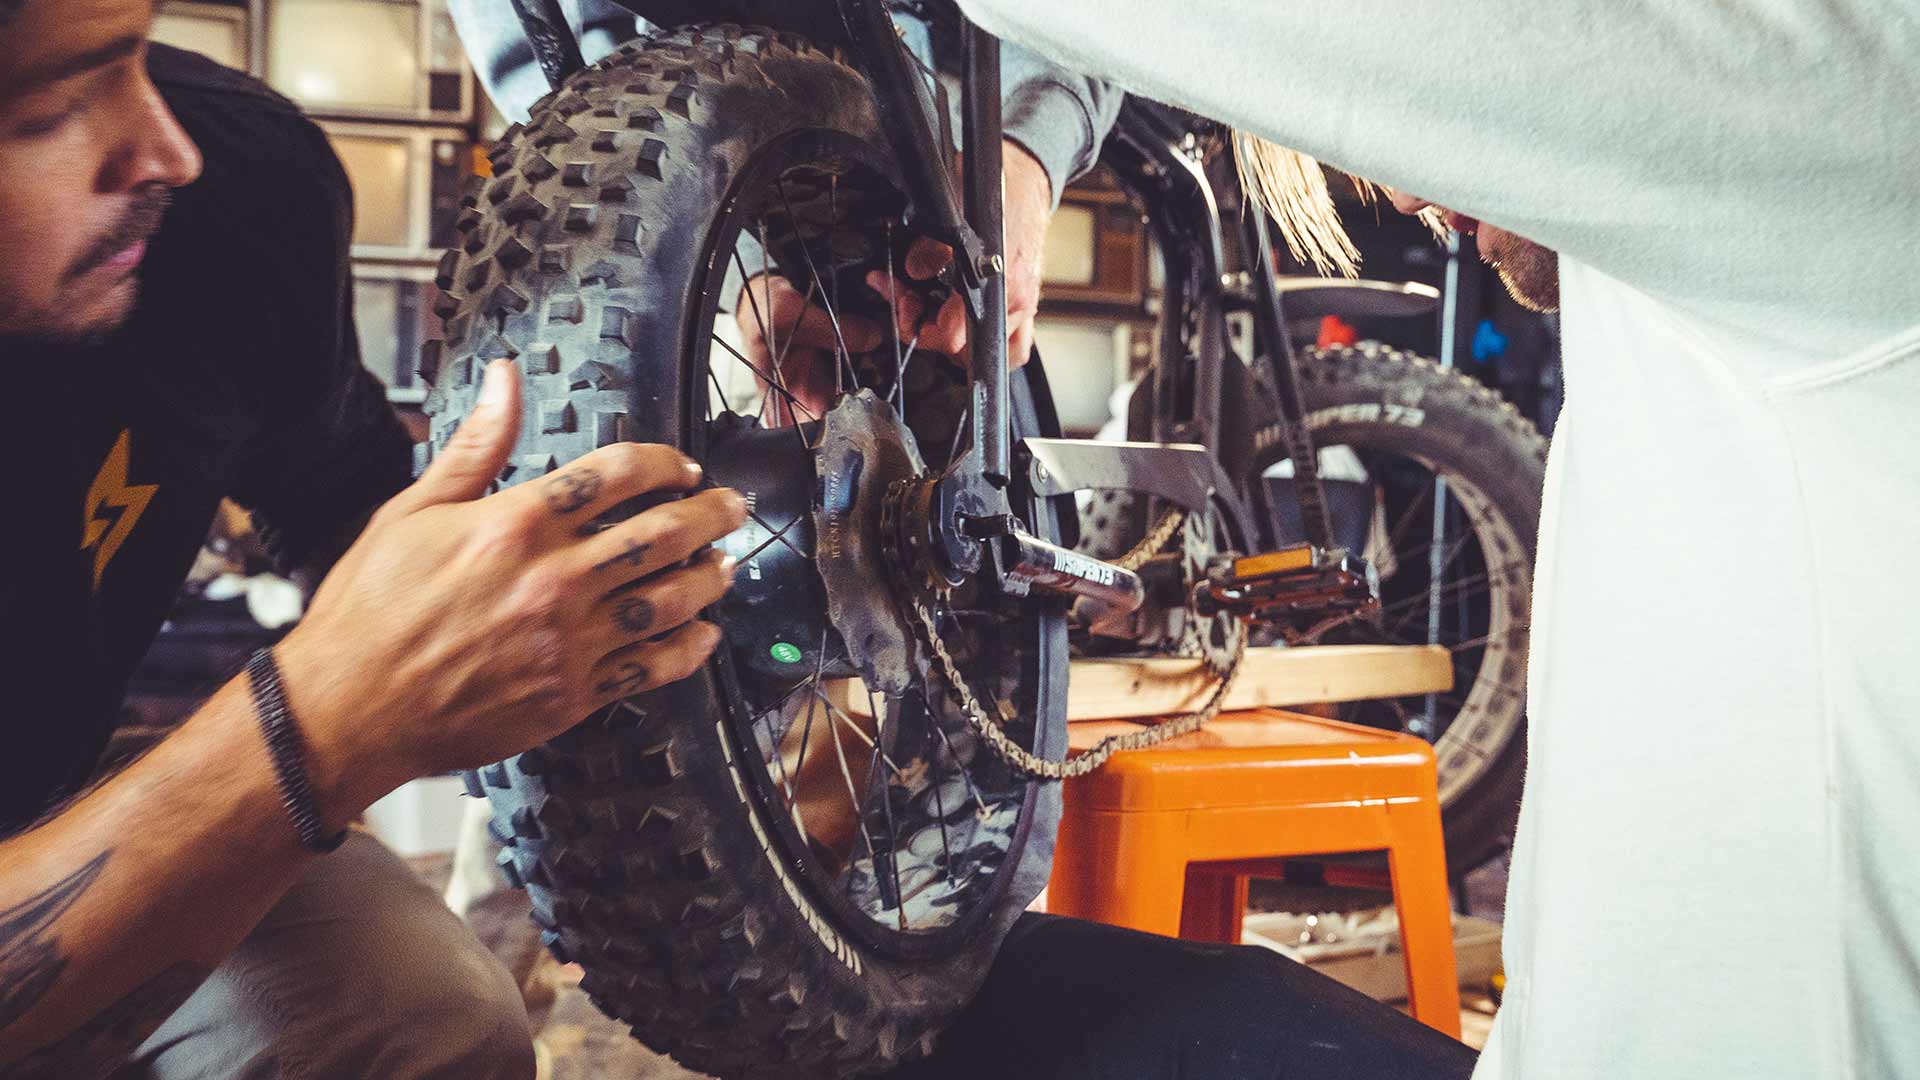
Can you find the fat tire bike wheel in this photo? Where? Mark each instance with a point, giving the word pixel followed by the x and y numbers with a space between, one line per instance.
pixel 759 876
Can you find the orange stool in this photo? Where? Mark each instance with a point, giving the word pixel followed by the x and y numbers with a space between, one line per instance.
pixel 1164 839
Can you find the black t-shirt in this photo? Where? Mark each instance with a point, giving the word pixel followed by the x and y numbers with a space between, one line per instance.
pixel 238 375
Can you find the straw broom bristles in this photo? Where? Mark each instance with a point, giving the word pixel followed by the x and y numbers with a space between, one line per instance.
pixel 1292 188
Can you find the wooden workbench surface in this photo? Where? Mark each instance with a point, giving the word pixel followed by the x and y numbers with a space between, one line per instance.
pixel 1119 689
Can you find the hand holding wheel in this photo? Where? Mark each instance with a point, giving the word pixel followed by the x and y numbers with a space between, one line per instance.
pixel 460 629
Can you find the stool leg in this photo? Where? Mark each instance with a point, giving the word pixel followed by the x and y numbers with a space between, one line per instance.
pixel 1215 906
pixel 1418 859
pixel 1120 869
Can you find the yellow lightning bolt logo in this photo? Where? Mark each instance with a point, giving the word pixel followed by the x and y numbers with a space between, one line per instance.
pixel 105 534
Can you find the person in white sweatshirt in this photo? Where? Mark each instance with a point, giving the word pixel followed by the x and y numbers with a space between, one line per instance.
pixel 1715 872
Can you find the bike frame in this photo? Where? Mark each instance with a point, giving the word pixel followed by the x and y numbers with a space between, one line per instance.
pixel 975 515
pixel 1155 151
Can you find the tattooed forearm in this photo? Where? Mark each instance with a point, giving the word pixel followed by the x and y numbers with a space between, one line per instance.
pixel 30 955
pixel 630 678
pixel 633 614
pixel 634 554
pixel 96 1047
pixel 571 489
pixel 31 961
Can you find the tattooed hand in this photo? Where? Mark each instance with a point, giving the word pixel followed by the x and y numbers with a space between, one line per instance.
pixel 461 629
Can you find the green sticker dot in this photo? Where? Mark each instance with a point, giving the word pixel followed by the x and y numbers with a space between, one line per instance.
pixel 785 653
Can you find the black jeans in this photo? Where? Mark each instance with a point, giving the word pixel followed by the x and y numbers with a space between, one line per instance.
pixel 1072 1000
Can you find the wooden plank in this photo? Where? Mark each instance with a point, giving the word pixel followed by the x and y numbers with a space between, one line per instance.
pixel 1118 689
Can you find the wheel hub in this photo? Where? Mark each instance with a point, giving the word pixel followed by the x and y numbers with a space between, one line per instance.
pixel 774 617
pixel 815 591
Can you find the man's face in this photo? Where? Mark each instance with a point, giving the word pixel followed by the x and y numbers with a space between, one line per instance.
pixel 1530 272
pixel 88 154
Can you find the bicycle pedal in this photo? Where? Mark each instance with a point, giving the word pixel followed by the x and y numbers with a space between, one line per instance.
pixel 1298 584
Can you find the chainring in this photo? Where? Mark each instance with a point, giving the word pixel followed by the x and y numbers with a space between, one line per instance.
pixel 863 451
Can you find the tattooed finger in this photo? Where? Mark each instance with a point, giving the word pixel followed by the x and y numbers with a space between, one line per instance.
pixel 629 678
pixel 634 614
pixel 566 492
pixel 631 556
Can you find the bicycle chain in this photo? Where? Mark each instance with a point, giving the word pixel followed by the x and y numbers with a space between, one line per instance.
pixel 1156 538
pixel 1025 762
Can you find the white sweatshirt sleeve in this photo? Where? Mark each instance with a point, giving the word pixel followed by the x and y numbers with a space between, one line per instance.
pixel 1751 161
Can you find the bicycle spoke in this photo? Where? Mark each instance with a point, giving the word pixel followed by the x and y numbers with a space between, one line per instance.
pixel 806 732
pixel 793 402
pixel 1474 678
pixel 1458 592
pixel 813 685
pixel 719 392
pixel 900 366
pixel 780 536
pixel 893 330
pixel 1419 556
pixel 780 359
pixel 1412 514
pixel 1451 591
pixel 966 421
pixel 886 804
pixel 1474 643
pixel 833 222
pixel 846 773
pixel 777 707
pixel 853 726
pixel 780 766
pixel 768 329
pixel 1406 611
pixel 880 758
pixel 766 337
pixel 965 774
pixel 939 809
pixel 845 357
pixel 787 777
pixel 759 319
pixel 813 270
pixel 1402 721
pixel 753 301
pixel 880 730
pixel 1398 636
pixel 774 348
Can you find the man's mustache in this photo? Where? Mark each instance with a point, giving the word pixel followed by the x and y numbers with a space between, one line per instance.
pixel 140 221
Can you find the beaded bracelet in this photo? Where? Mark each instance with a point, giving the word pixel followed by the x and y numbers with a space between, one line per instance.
pixel 282 734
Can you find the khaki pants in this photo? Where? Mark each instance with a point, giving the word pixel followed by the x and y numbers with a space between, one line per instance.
pixel 359 971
